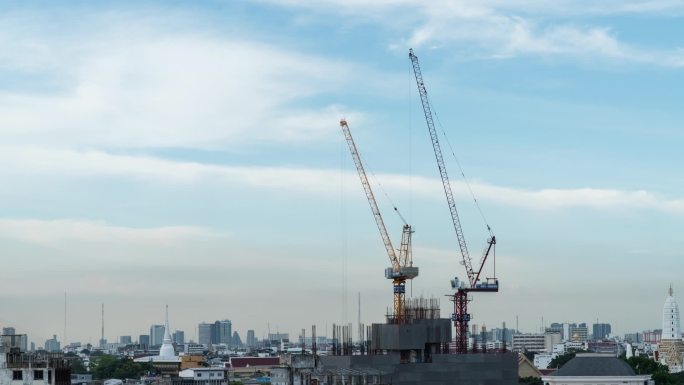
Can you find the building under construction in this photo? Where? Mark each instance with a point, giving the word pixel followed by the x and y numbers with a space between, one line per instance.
pixel 417 351
pixel 415 345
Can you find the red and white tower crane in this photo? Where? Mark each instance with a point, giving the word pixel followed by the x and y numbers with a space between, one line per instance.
pixel 402 265
pixel 461 317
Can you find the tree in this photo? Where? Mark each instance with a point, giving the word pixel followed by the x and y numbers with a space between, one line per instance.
pixel 77 366
pixel 659 372
pixel 561 360
pixel 530 381
pixel 107 366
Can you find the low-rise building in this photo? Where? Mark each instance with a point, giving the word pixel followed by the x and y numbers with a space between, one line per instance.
pixel 35 368
pixel 596 369
pixel 528 343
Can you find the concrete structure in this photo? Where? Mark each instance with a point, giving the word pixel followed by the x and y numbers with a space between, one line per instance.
pixel 144 341
pixel 463 369
pixel 21 368
pixel 542 360
pixel 125 340
pixel 603 346
pixel 600 331
pixel 204 333
pixel 652 337
pixel 251 339
pixel 19 341
pixel 249 366
pixel 205 376
pixel 671 347
pixel 52 345
pixel 222 333
pixel 167 362
pixel 156 335
pixel 596 369
pixel 578 333
pixel 179 337
pixel 529 343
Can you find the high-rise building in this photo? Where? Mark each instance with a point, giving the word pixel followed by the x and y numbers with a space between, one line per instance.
pixel 179 337
pixel 156 335
pixel 671 346
pixel 251 339
pixel 19 341
pixel 278 336
pixel 223 332
pixel 9 331
pixel 144 341
pixel 52 345
pixel 578 333
pixel 236 341
pixel 204 333
pixel 125 340
pixel 600 331
pixel 219 332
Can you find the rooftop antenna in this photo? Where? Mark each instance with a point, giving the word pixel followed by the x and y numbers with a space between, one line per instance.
pixel 102 337
pixel 64 336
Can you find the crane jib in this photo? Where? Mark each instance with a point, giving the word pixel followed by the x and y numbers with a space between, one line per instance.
pixel 442 169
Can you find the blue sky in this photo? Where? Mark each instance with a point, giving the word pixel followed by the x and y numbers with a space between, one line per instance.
pixel 189 153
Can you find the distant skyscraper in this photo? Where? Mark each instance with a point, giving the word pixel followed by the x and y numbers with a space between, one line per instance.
pixel 52 345
pixel 578 333
pixel 223 332
pixel 671 346
pixel 14 341
pixel 251 339
pixel 144 341
pixel 236 340
pixel 156 335
pixel 125 340
pixel 179 337
pixel 601 331
pixel 8 331
pixel 204 333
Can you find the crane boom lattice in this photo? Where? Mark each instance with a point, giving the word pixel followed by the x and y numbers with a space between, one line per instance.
pixel 467 262
pixel 402 266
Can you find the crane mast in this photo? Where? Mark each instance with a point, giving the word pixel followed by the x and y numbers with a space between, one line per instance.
pixel 460 317
pixel 402 266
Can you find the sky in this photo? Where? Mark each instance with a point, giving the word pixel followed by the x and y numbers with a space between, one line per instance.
pixel 190 154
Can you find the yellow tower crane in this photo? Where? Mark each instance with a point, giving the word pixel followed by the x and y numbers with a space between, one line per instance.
pixel 402 265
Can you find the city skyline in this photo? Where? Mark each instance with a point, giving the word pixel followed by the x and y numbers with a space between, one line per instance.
pixel 190 154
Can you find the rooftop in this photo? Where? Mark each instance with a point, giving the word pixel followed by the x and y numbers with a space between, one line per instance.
pixel 595 364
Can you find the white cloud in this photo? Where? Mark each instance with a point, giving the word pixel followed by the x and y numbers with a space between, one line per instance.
pixel 146 86
pixel 95 164
pixel 50 232
pixel 509 28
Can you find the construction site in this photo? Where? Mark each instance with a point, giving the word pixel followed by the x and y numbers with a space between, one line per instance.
pixel 416 344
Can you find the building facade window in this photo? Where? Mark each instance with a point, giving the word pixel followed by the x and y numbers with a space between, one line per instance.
pixel 17 375
pixel 37 374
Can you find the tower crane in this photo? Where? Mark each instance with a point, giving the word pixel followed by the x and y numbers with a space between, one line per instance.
pixel 460 317
pixel 402 268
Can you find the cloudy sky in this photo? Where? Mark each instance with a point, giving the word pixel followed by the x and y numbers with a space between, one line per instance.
pixel 189 153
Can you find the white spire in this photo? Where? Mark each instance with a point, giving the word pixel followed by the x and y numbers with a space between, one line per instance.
pixel 671 329
pixel 167 349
